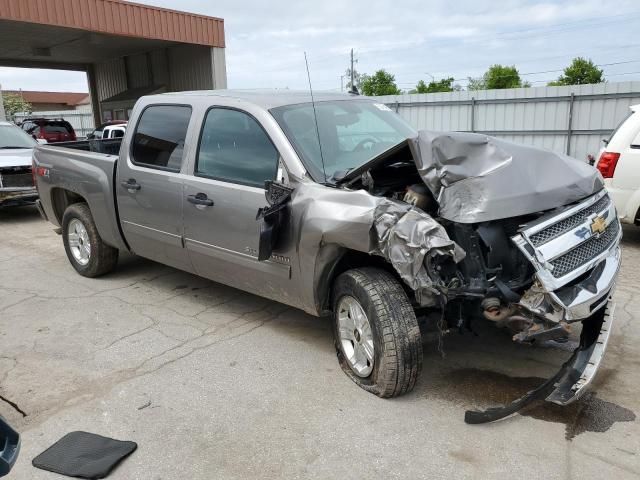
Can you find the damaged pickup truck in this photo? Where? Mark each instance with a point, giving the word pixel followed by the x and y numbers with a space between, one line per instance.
pixel 338 207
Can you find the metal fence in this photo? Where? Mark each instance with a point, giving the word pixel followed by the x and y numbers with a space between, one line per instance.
pixel 572 119
pixel 81 120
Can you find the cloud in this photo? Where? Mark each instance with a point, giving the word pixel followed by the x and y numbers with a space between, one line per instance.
pixel 266 40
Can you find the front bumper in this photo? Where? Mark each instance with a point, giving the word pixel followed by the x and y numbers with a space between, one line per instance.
pixel 17 196
pixel 578 300
pixel 586 359
pixel 573 378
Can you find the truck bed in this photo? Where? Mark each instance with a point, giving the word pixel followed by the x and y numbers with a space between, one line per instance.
pixel 110 146
pixel 62 170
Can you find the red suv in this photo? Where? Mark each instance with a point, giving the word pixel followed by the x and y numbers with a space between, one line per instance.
pixel 51 130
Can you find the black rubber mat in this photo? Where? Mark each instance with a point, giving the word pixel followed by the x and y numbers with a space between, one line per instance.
pixel 84 455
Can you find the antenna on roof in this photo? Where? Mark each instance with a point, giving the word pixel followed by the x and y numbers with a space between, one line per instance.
pixel 315 117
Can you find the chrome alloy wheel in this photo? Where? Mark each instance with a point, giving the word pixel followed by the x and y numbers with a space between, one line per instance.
pixel 356 337
pixel 79 243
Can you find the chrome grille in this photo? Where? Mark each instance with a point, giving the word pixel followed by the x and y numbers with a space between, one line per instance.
pixel 16 177
pixel 586 251
pixel 557 229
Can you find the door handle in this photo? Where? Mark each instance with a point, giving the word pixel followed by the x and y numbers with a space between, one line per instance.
pixel 200 199
pixel 131 184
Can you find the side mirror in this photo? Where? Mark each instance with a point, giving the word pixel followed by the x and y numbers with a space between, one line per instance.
pixel 9 447
pixel 273 217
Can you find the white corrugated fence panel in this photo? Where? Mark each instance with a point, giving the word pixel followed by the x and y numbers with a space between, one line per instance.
pixel 534 116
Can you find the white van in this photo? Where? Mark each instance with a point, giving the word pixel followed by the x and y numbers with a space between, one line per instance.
pixel 619 164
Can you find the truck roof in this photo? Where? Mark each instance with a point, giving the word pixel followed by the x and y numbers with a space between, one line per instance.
pixel 268 98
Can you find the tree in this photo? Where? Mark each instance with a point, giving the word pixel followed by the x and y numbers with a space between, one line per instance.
pixel 357 79
pixel 13 104
pixel 475 83
pixel 580 72
pixel 380 83
pixel 498 77
pixel 444 85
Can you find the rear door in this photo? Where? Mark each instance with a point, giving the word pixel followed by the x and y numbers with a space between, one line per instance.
pixel 149 184
pixel 234 158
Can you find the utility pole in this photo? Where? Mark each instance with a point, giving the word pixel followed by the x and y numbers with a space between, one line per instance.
pixel 3 115
pixel 352 79
pixel 352 73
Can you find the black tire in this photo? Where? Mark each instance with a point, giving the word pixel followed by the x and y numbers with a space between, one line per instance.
pixel 396 335
pixel 103 257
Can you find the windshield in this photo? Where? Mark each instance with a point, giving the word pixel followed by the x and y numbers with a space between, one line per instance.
pixel 351 132
pixel 13 137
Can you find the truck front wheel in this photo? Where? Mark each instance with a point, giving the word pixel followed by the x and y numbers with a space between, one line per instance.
pixel 376 332
pixel 88 254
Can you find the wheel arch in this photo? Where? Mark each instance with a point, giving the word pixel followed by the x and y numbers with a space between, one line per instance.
pixel 61 198
pixel 333 260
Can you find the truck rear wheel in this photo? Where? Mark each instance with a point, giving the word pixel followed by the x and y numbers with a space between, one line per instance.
pixel 376 332
pixel 88 254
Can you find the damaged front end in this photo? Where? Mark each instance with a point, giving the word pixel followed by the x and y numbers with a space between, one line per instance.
pixel 475 227
pixel 492 193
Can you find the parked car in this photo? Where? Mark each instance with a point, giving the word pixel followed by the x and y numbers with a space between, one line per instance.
pixel 340 208
pixel 51 130
pixel 619 164
pixel 111 129
pixel 16 180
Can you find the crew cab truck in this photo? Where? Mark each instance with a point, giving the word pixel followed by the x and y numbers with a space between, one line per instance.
pixel 336 206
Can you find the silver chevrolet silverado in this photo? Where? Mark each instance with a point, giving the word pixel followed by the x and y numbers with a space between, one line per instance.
pixel 336 206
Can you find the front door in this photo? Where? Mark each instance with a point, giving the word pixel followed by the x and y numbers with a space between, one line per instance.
pixel 149 186
pixel 234 158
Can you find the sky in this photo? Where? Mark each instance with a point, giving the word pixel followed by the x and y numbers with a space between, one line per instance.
pixel 412 39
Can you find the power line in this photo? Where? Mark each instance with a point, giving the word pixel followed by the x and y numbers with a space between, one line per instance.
pixel 601 21
pixel 534 73
pixel 512 34
pixel 538 59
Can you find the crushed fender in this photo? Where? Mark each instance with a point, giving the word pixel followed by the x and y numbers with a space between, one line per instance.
pixel 406 237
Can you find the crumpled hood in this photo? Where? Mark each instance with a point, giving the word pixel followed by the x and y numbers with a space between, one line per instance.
pixel 15 157
pixel 477 178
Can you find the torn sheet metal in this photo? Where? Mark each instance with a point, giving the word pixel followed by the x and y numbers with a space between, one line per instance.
pixel 477 178
pixel 405 237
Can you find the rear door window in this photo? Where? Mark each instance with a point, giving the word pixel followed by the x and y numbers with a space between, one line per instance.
pixel 235 148
pixel 58 127
pixel 618 127
pixel 158 141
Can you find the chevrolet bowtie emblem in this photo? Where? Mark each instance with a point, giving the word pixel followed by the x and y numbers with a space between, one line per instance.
pixel 598 225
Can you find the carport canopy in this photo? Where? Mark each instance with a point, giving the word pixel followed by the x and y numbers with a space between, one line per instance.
pixel 83 34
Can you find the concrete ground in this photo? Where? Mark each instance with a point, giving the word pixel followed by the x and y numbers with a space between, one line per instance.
pixel 212 382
